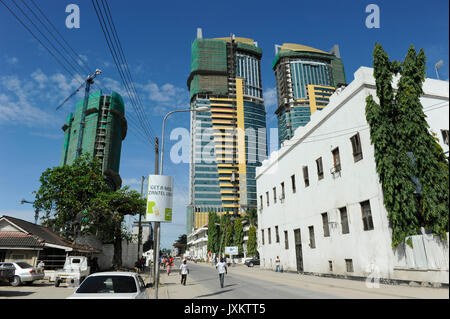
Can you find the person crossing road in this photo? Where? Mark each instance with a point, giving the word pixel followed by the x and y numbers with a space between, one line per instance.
pixel 222 268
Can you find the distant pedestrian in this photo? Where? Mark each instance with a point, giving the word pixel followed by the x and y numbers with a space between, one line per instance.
pixel 277 264
pixel 184 271
pixel 168 266
pixel 222 268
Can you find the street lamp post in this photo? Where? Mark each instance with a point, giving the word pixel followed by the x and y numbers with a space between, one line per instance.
pixel 36 211
pixel 157 224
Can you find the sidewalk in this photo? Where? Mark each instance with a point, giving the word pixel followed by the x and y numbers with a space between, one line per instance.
pixel 170 287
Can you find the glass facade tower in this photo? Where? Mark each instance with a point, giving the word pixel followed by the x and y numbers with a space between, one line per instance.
pixel 228 141
pixel 306 78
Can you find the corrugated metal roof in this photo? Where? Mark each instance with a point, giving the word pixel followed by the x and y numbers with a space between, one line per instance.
pixel 41 234
pixel 19 240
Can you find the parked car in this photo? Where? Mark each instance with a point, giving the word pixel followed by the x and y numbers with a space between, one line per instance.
pixel 112 285
pixel 24 273
pixel 252 262
pixel 6 273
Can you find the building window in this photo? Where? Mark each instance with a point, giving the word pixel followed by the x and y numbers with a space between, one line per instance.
pixel 366 215
pixel 294 189
pixel 356 145
pixel 344 220
pixel 286 240
pixel 326 226
pixel 330 265
pixel 262 236
pixel 269 235
pixel 261 201
pixel 267 197
pixel 349 265
pixel 312 241
pixel 277 235
pixel 336 160
pixel 445 136
pixel 282 191
pixel 274 194
pixel 306 175
pixel 319 168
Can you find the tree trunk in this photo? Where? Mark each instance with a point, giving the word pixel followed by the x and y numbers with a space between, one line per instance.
pixel 117 258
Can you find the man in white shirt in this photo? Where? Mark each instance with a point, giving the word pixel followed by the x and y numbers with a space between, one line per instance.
pixel 222 268
pixel 184 271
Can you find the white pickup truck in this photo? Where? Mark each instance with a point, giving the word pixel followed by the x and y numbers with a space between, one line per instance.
pixel 75 270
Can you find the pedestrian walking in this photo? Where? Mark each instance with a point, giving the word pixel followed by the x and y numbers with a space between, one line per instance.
pixel 168 265
pixel 184 271
pixel 222 268
pixel 277 264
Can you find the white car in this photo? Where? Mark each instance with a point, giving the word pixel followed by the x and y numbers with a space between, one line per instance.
pixel 24 273
pixel 112 285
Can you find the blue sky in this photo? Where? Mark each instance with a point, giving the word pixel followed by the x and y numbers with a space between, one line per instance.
pixel 156 36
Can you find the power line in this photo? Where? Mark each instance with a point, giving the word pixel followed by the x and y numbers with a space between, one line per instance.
pixel 108 13
pixel 39 40
pixel 57 54
pixel 122 67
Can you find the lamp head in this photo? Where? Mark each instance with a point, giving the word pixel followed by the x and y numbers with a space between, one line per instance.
pixel 202 109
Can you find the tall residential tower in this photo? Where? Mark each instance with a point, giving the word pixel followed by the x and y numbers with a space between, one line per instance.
pixel 105 128
pixel 306 77
pixel 228 141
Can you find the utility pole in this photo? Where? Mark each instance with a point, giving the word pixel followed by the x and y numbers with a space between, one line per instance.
pixel 89 81
pixel 140 223
pixel 156 231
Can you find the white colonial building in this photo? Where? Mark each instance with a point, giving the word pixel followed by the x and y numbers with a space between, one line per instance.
pixel 320 203
pixel 197 243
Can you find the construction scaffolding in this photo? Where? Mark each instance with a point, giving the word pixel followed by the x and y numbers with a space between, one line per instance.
pixel 105 128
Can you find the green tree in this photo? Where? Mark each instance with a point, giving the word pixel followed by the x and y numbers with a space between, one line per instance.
pixel 252 246
pixel 77 201
pixel 399 133
pixel 239 234
pixel 226 232
pixel 108 211
pixel 430 166
pixel 66 193
pixel 251 217
pixel 213 233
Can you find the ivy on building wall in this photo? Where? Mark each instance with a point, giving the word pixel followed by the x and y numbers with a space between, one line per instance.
pixel 411 165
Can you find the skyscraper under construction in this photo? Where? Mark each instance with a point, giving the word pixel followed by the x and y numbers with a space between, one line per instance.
pixel 306 77
pixel 105 128
pixel 228 141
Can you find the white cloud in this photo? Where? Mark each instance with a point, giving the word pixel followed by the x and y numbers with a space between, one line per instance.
pixel 130 181
pixel 16 104
pixel 270 99
pixel 40 78
pixel 12 60
pixel 48 135
pixel 166 96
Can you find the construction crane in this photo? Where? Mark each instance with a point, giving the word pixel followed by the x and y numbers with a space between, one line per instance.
pixel 87 83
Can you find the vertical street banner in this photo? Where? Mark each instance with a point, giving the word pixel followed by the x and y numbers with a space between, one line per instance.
pixel 159 199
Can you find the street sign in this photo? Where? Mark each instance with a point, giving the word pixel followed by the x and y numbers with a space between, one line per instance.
pixel 234 250
pixel 159 199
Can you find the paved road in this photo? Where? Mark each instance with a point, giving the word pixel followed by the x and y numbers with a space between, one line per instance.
pixel 41 289
pixel 255 283
pixel 240 286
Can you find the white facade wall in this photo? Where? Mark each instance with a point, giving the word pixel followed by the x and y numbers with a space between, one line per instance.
pixel 358 182
pixel 197 243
